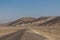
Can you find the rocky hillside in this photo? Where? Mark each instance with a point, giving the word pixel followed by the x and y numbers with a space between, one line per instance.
pixel 24 20
pixel 54 22
pixel 42 21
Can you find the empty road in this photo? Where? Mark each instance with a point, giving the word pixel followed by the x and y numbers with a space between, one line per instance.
pixel 22 35
pixel 14 36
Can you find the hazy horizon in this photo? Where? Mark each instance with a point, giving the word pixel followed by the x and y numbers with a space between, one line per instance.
pixel 14 9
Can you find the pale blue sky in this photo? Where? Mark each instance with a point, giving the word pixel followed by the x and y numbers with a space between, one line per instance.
pixel 15 9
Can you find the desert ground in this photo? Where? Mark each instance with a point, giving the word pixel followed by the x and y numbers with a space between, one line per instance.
pixel 18 33
pixel 29 33
pixel 44 28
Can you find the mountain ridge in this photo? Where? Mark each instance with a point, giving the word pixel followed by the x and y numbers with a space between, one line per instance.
pixel 41 21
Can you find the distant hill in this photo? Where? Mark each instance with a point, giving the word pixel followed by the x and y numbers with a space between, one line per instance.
pixel 54 22
pixel 42 21
pixel 21 21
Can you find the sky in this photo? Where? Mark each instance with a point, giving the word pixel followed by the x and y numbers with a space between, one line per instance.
pixel 14 9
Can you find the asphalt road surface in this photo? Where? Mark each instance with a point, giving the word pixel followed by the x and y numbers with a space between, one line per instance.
pixel 22 35
pixel 14 36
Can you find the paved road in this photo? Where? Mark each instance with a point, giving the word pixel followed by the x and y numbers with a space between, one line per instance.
pixel 14 36
pixel 22 35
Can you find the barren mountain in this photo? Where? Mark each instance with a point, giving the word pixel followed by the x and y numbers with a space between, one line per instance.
pixel 21 21
pixel 53 22
pixel 42 21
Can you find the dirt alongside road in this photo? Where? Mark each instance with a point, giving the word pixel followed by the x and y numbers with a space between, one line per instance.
pixel 23 35
pixel 14 36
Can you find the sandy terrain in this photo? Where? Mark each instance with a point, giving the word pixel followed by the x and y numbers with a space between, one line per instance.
pixel 52 33
pixel 19 34
pixel 4 30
